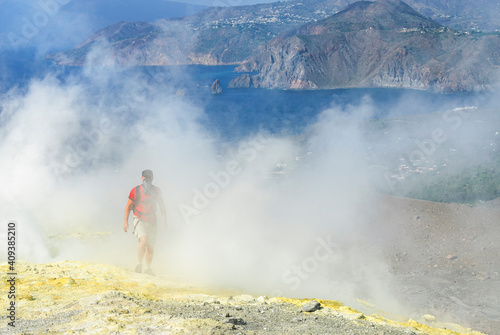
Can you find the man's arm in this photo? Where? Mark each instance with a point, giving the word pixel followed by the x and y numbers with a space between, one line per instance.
pixel 162 207
pixel 128 208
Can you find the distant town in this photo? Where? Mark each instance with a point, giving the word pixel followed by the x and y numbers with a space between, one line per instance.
pixel 278 14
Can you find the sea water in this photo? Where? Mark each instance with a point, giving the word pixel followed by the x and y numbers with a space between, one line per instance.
pixel 239 112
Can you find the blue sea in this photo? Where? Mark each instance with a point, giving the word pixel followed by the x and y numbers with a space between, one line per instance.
pixel 240 112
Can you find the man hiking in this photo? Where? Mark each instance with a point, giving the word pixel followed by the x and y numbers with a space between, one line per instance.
pixel 142 200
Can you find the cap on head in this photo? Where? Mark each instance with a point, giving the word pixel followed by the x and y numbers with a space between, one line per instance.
pixel 147 174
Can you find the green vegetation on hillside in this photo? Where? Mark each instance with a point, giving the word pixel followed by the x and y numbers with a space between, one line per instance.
pixel 462 167
pixel 471 185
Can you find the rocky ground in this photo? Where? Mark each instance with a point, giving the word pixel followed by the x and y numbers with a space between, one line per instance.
pixel 444 259
pixel 76 297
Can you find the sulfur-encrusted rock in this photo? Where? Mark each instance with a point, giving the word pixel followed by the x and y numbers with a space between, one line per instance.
pixel 311 306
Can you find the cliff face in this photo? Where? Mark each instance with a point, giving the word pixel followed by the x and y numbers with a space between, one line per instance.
pixel 379 44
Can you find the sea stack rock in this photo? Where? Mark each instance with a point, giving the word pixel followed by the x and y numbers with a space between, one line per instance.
pixel 216 88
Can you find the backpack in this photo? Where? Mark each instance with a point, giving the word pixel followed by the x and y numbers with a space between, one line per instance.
pixel 138 196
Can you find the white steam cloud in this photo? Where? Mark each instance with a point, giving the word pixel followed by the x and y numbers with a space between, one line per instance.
pixel 269 214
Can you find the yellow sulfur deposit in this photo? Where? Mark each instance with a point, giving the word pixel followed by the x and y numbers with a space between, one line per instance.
pixel 76 297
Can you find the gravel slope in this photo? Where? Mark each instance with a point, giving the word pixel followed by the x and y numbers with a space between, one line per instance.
pixel 444 259
pixel 76 297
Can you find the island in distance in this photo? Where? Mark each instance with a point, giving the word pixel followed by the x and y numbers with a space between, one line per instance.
pixel 315 44
pixel 376 44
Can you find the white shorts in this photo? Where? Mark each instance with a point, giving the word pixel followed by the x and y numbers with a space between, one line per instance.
pixel 143 228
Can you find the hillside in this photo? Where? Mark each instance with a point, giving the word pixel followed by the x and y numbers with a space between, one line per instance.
pixel 231 35
pixel 94 298
pixel 463 169
pixel 462 14
pixel 377 44
pixel 363 15
pixel 442 257
pixel 214 36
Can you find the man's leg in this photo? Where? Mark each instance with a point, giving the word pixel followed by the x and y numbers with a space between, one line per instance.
pixel 149 255
pixel 150 248
pixel 143 242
